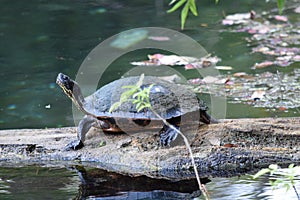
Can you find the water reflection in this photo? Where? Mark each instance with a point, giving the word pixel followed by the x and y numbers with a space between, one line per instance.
pixel 35 182
pixel 80 183
pixel 100 184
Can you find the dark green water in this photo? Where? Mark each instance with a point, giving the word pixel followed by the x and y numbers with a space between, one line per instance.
pixel 39 39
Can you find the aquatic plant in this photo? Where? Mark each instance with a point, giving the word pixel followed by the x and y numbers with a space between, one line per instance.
pixel 284 177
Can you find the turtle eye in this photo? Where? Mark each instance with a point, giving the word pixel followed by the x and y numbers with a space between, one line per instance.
pixel 65 81
pixel 69 84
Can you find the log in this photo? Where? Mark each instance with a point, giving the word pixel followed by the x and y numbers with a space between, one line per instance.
pixel 231 147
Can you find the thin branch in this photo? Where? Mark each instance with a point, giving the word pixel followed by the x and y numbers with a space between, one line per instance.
pixel 187 144
pixel 295 189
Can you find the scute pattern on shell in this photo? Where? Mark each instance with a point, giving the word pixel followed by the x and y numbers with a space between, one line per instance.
pixel 167 99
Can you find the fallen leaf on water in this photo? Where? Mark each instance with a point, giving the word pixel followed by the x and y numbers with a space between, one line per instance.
pixel 237 18
pixel 223 67
pixel 189 66
pixel 281 108
pixel 263 64
pixel 281 18
pixel 171 60
pixel 144 63
pixel 258 95
pixel 296 58
pixel 261 49
pixel 159 38
pixel 195 81
pixel 240 74
pixel 210 79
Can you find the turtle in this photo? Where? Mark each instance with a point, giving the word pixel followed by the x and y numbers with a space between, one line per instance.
pixel 170 101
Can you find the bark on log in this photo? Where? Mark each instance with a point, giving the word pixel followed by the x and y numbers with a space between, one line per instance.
pixel 229 148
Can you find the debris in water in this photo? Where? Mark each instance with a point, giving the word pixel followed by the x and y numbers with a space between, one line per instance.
pixel 159 38
pixel 223 67
pixel 281 18
pixel 268 90
pixel 171 60
pixel 263 64
pixel 238 18
pixel 258 95
pixel 277 39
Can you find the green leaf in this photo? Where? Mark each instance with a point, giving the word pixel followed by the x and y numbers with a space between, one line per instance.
pixel 193 7
pixel 261 172
pixel 287 186
pixel 216 1
pixel 129 86
pixel 184 14
pixel 140 82
pixel 176 6
pixel 114 106
pixel 291 166
pixel 102 143
pixel 138 105
pixel 280 5
pixel 273 167
pixel 173 1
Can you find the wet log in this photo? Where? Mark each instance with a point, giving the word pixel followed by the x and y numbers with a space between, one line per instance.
pixel 231 147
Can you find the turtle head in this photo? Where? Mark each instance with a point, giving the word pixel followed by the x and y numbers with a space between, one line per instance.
pixel 71 89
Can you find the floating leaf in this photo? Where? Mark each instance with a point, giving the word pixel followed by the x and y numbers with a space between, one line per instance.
pixel 159 38
pixel 263 64
pixel 223 67
pixel 281 18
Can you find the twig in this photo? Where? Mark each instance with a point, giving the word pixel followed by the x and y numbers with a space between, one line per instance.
pixel 295 189
pixel 186 142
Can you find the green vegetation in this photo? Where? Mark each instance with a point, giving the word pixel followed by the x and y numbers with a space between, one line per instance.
pixel 190 6
pixel 284 177
pixel 138 96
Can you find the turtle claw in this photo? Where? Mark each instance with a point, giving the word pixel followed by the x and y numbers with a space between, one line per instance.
pixel 74 145
pixel 167 136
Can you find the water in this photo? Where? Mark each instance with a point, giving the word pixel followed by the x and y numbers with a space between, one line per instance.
pixel 33 182
pixel 41 38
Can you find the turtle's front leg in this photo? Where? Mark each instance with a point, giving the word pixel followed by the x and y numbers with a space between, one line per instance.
pixel 167 135
pixel 84 126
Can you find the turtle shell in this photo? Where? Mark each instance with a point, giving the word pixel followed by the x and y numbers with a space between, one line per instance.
pixel 167 99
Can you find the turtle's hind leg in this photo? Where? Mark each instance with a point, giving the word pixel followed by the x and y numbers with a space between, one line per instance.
pixel 168 134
